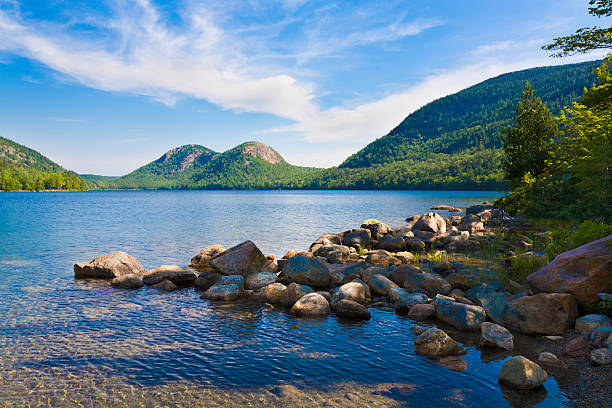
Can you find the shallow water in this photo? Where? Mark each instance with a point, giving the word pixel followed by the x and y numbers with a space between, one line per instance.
pixel 65 342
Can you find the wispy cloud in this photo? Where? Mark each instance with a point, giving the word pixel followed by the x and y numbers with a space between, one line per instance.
pixel 65 120
pixel 28 78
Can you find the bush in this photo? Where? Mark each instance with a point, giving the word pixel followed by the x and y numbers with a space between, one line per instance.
pixel 567 238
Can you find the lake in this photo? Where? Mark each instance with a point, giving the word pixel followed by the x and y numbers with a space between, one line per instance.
pixel 65 342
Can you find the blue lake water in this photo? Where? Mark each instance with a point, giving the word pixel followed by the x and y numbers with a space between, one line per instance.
pixel 65 342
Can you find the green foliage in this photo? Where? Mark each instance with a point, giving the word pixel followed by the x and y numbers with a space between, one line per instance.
pixel 23 169
pixel 522 267
pixel 588 38
pixel 527 145
pixel 576 184
pixel 600 307
pixel 567 238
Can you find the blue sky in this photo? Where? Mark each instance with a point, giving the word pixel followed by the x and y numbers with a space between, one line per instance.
pixel 106 86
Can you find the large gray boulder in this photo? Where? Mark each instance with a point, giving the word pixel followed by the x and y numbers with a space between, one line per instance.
pixel 494 335
pixel 459 315
pixel 545 313
pixel 222 292
pixel 130 281
pixel 436 343
pixel 377 228
pixel 109 266
pixel 379 285
pixel 260 280
pixel 356 291
pixel 429 283
pixel 522 373
pixel 333 253
pixel 472 224
pixel 406 301
pixel 375 270
pixel 357 238
pixel 312 304
pixel 243 259
pixel 201 262
pixel 350 309
pixel 492 297
pixel 275 293
pixel 431 222
pixel 422 311
pixel 175 274
pixel 392 244
pixel 400 273
pixel 307 271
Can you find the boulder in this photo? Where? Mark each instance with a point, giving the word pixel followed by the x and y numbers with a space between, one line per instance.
pixel 201 262
pixel 350 309
pixel 522 373
pixel 332 253
pixel 586 324
pixel 243 259
pixel 446 208
pixel 549 359
pixel 206 279
pixel 431 222
pixel 436 343
pixel 494 335
pixel 227 292
pixel 377 228
pixel 270 265
pixel 459 281
pixel 274 293
pixel 415 244
pixel 601 356
pixel 478 208
pixel 311 304
pixel 426 236
pixel 339 276
pixel 175 274
pixel 357 238
pixel 109 266
pixel 294 292
pixel 367 273
pixel 379 285
pixel 406 301
pixel 472 224
pixel 165 286
pixel 545 313
pixel 237 280
pixel 400 273
pixel 582 272
pixel 307 271
pixel 392 244
pixel 382 260
pixel 492 297
pixel 290 254
pixel 428 283
pixel 418 330
pixel 453 363
pixel 404 256
pixel 422 311
pixel 354 291
pixel 459 315
pixel 577 347
pixel 129 281
pixel 444 268
pixel 325 294
pixel 599 336
pixel 260 280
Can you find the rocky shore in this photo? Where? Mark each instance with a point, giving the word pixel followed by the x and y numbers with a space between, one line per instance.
pixel 412 270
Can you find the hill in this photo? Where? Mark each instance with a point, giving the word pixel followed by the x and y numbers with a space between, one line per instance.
pixel 22 168
pixel 251 165
pixel 454 141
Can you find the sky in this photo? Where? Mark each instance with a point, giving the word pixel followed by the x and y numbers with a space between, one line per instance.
pixel 106 86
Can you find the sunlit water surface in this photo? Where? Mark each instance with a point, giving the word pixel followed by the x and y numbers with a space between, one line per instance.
pixel 67 342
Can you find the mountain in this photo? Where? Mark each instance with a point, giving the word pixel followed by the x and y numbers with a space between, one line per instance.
pixel 251 165
pixel 22 168
pixel 450 140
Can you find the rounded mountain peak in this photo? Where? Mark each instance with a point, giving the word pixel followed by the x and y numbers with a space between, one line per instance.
pixel 261 151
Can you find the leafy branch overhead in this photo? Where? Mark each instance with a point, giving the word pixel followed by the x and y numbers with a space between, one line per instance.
pixel 587 38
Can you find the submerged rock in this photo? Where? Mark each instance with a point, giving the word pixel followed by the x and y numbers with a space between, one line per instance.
pixel 201 262
pixel 109 266
pixel 130 281
pixel 453 363
pixel 522 373
pixel 243 259
pixel 601 356
pixel 351 309
pixel 165 286
pixel 311 304
pixel 436 343
pixel 307 271
pixel 549 359
pixel 494 335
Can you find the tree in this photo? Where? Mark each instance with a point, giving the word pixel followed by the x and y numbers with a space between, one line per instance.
pixel 527 146
pixel 587 38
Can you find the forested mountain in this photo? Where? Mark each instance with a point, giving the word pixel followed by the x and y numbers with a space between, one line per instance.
pixel 22 168
pixel 251 165
pixel 469 121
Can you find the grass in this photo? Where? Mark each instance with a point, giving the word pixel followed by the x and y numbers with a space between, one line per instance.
pixel 523 267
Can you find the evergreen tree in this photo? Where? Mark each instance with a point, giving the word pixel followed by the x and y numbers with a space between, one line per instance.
pixel 527 145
